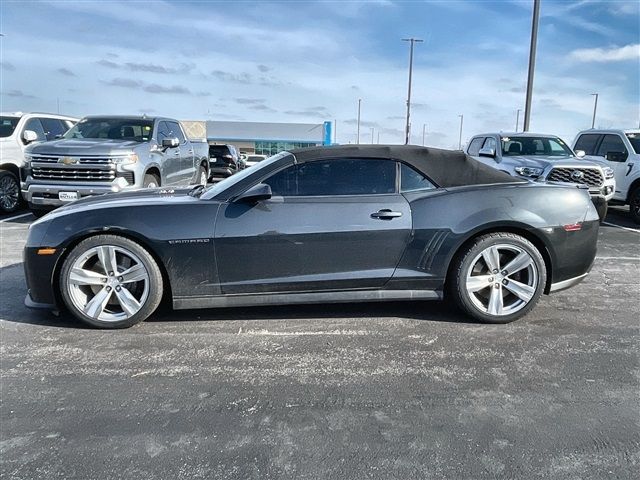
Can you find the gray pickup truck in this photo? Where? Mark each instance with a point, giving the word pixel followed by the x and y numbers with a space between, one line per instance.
pixel 111 154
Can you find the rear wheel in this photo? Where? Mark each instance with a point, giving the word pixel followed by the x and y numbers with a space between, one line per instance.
pixel 109 281
pixel 498 278
pixel 10 199
pixel 634 204
pixel 203 176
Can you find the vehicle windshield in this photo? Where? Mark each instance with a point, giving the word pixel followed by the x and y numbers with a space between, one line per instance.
pixel 8 126
pixel 634 140
pixel 221 186
pixel 131 129
pixel 531 146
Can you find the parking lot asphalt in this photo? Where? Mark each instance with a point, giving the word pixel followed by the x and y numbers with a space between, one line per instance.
pixel 355 391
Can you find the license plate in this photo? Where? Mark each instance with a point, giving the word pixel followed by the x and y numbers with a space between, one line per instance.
pixel 68 196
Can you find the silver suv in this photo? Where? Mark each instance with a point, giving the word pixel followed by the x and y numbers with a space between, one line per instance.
pixel 544 158
pixel 17 131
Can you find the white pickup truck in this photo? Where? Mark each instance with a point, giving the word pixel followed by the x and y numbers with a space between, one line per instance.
pixel 620 149
pixel 17 131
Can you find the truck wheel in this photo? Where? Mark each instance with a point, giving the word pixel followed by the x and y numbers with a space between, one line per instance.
pixel 151 181
pixel 602 209
pixel 498 278
pixel 202 176
pixel 10 199
pixel 108 281
pixel 634 204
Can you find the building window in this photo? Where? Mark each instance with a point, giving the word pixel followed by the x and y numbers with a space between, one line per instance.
pixel 272 148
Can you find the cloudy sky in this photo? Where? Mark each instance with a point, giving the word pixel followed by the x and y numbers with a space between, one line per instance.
pixel 304 61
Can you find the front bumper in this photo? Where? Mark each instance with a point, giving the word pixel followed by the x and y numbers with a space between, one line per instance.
pixel 30 303
pixel 46 195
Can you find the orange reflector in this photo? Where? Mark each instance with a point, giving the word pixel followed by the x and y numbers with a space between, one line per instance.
pixel 572 227
pixel 46 251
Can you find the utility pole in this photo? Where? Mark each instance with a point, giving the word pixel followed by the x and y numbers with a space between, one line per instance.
pixel 518 118
pixel 532 63
pixel 411 41
pixel 358 134
pixel 595 107
pixel 424 131
pixel 460 139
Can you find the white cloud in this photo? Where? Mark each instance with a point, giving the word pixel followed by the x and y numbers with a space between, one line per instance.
pixel 614 54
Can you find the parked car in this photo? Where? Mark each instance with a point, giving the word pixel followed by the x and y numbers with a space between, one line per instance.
pixel 224 161
pixel 544 158
pixel 316 225
pixel 17 131
pixel 105 154
pixel 620 149
pixel 253 159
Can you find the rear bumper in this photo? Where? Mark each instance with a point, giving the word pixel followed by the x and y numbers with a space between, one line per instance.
pixel 570 282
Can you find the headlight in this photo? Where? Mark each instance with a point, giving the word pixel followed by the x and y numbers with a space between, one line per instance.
pixel 529 171
pixel 126 160
pixel 608 172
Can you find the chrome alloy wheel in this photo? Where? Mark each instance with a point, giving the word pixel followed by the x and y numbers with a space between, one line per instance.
pixel 9 193
pixel 108 283
pixel 502 279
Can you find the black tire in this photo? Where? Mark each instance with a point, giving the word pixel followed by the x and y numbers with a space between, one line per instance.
pixel 147 306
pixel 10 197
pixel 602 209
pixel 202 175
pixel 151 181
pixel 468 260
pixel 634 204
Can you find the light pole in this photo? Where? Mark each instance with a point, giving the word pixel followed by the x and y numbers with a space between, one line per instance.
pixel 358 134
pixel 517 119
pixel 371 135
pixel 532 63
pixel 595 107
pixel 378 136
pixel 460 139
pixel 411 41
pixel 424 131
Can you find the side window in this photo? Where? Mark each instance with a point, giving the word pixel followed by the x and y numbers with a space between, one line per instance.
pixel 53 128
pixel 411 180
pixel 474 146
pixel 35 125
pixel 335 177
pixel 611 143
pixel 163 132
pixel 490 142
pixel 176 131
pixel 587 143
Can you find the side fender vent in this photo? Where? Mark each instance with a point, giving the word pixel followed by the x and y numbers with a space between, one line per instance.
pixel 431 249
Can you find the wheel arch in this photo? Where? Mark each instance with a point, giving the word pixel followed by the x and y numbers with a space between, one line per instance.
pixel 11 167
pixel 521 230
pixel 635 184
pixel 155 171
pixel 167 293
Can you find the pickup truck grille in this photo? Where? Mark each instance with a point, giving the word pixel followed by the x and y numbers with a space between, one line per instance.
pixel 84 169
pixel 590 176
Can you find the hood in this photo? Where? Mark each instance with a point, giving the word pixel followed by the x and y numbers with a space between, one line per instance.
pixel 543 161
pixel 86 146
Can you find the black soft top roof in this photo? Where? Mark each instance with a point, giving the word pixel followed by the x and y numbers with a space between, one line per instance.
pixel 447 168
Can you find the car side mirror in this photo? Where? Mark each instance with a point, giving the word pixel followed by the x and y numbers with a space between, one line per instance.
pixel 616 156
pixel 29 136
pixel 487 152
pixel 580 153
pixel 170 142
pixel 258 192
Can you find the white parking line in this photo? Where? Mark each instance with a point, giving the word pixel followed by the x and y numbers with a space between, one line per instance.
pixel 618 258
pixel 14 218
pixel 620 226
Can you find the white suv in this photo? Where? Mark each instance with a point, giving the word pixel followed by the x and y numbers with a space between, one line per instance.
pixel 17 130
pixel 620 149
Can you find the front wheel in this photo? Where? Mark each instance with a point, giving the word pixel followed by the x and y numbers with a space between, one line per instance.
pixel 150 181
pixel 10 199
pixel 109 281
pixel 634 204
pixel 498 278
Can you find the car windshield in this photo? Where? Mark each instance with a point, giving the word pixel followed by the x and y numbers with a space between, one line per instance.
pixel 8 126
pixel 132 129
pixel 221 186
pixel 634 140
pixel 531 146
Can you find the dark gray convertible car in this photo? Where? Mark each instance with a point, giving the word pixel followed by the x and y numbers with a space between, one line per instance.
pixel 332 224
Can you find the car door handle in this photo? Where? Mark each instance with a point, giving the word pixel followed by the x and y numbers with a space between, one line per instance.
pixel 386 214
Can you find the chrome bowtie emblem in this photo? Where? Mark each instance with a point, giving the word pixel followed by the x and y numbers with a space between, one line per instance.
pixel 68 160
pixel 577 175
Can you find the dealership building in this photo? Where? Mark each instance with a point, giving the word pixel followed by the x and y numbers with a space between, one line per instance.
pixel 268 138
